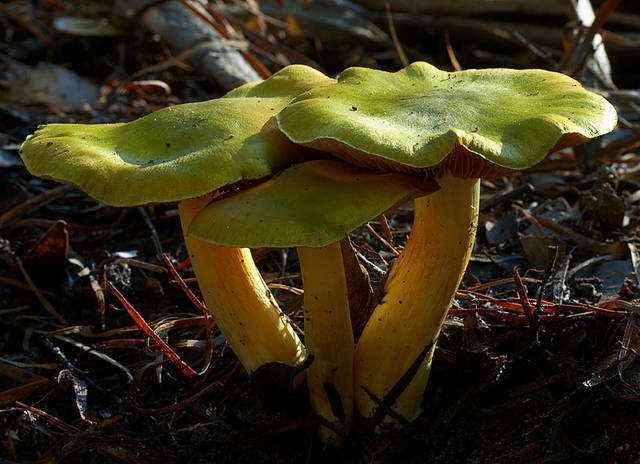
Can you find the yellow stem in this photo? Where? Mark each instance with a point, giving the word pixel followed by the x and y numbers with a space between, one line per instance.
pixel 239 301
pixel 329 337
pixel 417 296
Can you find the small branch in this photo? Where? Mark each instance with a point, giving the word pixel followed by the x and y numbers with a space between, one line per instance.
pixel 452 56
pixel 37 292
pixel 181 28
pixel 590 42
pixel 154 234
pixel 394 37
pixel 34 203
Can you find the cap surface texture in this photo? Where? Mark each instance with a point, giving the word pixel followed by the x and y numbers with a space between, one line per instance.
pixel 413 119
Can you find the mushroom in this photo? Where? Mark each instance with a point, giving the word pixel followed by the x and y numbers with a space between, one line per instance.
pixel 182 154
pixel 312 206
pixel 457 127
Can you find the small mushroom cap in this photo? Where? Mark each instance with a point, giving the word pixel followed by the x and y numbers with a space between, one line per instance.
pixel 489 120
pixel 179 152
pixel 311 204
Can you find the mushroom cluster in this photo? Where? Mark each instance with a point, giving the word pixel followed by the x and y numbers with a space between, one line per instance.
pixel 419 134
pixel 184 154
pixel 312 206
pixel 456 127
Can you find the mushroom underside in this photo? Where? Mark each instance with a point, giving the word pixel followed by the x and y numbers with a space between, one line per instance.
pixel 460 162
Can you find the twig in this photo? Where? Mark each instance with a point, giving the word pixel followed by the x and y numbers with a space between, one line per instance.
pixel 508 280
pixel 452 56
pixel 267 45
pixel 393 249
pixel 43 301
pixel 559 284
pixel 394 37
pixel 33 203
pixel 635 260
pixel 99 293
pixel 62 359
pixel 17 284
pixel 141 264
pixel 208 390
pixel 199 46
pixel 24 22
pixel 67 428
pixel 586 46
pixel 524 299
pixel 104 357
pixel 385 227
pixel 552 255
pixel 516 192
pixel 385 404
pixel 369 264
pixel 286 277
pixel 546 56
pixel 588 262
pixel 154 233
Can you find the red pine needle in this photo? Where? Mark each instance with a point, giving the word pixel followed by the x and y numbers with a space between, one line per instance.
pixel 142 324
pixel 186 289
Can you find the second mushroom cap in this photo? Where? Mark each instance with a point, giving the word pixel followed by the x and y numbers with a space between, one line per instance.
pixel 310 204
pixel 413 119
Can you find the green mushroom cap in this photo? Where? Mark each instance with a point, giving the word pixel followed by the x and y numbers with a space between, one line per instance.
pixel 311 204
pixel 475 123
pixel 179 152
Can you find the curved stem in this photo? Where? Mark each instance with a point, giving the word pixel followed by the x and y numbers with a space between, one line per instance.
pixel 239 301
pixel 418 293
pixel 329 337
